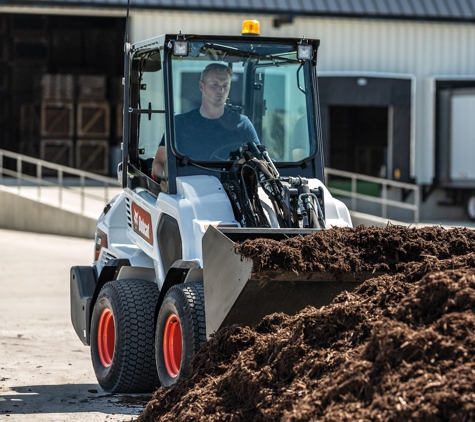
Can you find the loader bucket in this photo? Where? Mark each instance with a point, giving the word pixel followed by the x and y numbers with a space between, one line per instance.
pixel 236 295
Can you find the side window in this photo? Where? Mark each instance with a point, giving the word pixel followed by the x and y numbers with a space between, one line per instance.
pixel 151 125
pixel 284 122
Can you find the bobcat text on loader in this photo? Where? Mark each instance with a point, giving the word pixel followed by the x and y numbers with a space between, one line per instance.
pixel 165 274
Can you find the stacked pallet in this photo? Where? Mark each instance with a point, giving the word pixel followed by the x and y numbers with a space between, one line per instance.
pixel 57 119
pixel 74 121
pixel 93 125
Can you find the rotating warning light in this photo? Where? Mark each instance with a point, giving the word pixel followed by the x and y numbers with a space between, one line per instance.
pixel 251 27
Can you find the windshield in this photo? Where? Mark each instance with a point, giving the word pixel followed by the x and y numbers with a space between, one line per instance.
pixel 228 94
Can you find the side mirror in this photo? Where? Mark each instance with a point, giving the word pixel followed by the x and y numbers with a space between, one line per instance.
pixel 152 62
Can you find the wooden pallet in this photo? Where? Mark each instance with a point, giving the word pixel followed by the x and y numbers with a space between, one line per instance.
pixel 57 119
pixel 93 119
pixel 57 151
pixel 93 155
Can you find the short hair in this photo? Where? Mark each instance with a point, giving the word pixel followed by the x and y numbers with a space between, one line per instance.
pixel 216 67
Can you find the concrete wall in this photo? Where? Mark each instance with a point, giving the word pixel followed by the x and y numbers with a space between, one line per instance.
pixel 367 220
pixel 20 213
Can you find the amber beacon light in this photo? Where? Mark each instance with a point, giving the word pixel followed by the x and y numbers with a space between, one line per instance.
pixel 251 27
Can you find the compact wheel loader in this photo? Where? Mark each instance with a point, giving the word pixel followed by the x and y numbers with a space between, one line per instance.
pixel 166 275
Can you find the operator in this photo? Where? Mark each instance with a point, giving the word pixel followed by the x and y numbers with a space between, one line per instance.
pixel 201 132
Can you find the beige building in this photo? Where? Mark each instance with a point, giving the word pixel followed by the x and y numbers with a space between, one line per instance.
pixel 397 79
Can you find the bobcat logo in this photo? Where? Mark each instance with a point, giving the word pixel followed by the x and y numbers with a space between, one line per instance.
pixel 142 223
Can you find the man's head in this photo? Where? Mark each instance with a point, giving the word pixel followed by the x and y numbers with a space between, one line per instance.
pixel 215 83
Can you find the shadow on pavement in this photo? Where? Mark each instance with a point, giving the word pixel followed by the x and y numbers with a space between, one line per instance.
pixel 69 398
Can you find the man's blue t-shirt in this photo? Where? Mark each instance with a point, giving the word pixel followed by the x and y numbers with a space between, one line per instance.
pixel 199 138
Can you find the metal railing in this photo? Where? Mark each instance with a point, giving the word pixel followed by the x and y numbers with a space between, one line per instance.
pixel 67 183
pixel 49 182
pixel 382 199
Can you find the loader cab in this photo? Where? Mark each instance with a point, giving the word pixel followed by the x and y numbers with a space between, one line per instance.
pixel 273 87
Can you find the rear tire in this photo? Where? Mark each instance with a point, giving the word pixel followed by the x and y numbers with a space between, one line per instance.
pixel 122 337
pixel 181 329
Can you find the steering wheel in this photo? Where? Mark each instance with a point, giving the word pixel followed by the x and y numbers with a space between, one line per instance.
pixel 228 148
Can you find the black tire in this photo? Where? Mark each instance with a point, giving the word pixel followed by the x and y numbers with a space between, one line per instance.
pixel 122 336
pixel 175 345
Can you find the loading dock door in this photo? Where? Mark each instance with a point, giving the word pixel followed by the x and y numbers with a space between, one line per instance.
pixel 366 125
pixel 456 135
pixel 358 139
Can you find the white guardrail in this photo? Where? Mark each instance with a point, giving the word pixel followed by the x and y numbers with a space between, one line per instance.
pixel 64 187
pixel 383 199
pixel 70 188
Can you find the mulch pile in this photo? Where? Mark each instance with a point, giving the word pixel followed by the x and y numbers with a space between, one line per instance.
pixel 400 347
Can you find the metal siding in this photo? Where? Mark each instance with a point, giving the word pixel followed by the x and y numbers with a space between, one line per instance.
pixel 255 5
pixel 306 5
pixel 245 4
pixel 368 6
pixel 431 9
pixel 332 6
pixel 358 7
pixel 394 8
pixel 282 5
pixel 456 10
pixel 406 7
pixel 441 8
pixel 467 9
pixel 418 8
pixel 381 7
pixel 428 9
pixel 350 6
pixel 320 6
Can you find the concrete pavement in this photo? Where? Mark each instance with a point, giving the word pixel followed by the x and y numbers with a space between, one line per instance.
pixel 45 371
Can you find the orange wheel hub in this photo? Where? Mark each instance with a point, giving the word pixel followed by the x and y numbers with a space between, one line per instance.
pixel 106 337
pixel 172 345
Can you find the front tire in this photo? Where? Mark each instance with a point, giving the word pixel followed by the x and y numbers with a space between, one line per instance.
pixel 181 329
pixel 122 337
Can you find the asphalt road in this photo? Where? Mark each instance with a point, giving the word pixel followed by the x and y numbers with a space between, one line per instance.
pixel 45 371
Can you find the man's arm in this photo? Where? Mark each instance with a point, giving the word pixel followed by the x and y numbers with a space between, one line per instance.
pixel 158 165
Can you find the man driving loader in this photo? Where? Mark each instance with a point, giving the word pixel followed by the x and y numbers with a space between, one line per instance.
pixel 206 131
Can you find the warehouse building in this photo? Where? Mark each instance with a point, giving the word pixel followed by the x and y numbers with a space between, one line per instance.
pixel 397 80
